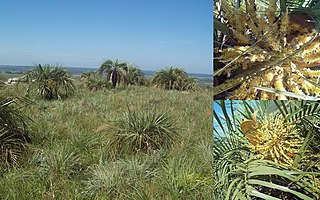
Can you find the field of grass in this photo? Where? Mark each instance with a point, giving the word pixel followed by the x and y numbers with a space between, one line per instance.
pixel 5 76
pixel 71 156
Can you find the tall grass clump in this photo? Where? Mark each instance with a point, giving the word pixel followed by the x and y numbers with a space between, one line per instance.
pixel 57 167
pixel 143 130
pixel 182 178
pixel 118 179
pixel 14 133
pixel 61 161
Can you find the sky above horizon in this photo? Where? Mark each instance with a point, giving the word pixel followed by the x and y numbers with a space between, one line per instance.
pixel 152 34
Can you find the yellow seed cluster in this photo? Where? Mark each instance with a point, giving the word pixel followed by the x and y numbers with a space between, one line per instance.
pixel 274 139
pixel 263 51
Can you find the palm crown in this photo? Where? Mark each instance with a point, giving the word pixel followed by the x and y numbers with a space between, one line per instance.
pixel 51 82
pixel 114 71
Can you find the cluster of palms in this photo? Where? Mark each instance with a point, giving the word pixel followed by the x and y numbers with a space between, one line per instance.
pixel 122 72
pixel 266 150
pixel 54 82
pixel 117 73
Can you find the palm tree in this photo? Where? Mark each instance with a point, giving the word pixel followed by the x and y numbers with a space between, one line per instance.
pixel 115 71
pixel 14 133
pixel 172 79
pixel 266 149
pixel 271 54
pixel 51 82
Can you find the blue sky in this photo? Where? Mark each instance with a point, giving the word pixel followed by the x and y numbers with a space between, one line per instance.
pixel 218 110
pixel 149 33
pixel 238 105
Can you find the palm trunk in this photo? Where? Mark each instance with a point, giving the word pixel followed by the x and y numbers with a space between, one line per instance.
pixel 114 78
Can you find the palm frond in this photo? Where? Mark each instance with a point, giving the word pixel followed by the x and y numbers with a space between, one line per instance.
pixel 256 177
pixel 288 94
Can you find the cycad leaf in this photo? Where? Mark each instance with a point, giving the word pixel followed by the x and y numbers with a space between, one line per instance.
pixel 218 25
pixel 278 187
pixel 286 93
pixel 256 193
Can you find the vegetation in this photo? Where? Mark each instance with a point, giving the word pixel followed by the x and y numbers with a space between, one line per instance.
pixel 75 152
pixel 134 76
pixel 173 79
pixel 51 82
pixel 118 72
pixel 266 150
pixel 144 130
pixel 115 71
pixel 14 133
pixel 93 81
pixel 272 54
pixel 5 76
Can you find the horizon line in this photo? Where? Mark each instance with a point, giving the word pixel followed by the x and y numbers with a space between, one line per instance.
pixel 9 65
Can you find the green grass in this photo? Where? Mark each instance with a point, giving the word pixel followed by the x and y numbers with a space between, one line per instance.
pixel 5 76
pixel 70 156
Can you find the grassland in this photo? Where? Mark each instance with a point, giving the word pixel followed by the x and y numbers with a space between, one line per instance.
pixel 69 156
pixel 5 76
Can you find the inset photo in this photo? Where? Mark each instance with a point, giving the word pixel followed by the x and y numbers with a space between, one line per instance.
pixel 266 50
pixel 266 149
